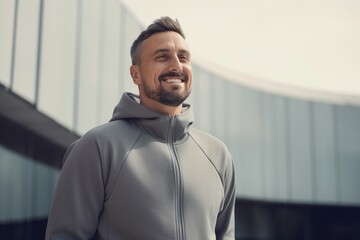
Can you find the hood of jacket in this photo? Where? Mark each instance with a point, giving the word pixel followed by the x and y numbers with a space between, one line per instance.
pixel 155 123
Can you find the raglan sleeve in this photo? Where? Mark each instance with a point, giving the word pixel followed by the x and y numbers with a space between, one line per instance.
pixel 225 225
pixel 79 194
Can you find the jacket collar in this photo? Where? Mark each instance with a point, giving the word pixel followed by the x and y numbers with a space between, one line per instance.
pixel 157 124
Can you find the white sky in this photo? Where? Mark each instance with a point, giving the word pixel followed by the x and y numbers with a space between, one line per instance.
pixel 309 44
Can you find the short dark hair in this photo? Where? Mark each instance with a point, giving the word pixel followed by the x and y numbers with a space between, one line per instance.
pixel 163 24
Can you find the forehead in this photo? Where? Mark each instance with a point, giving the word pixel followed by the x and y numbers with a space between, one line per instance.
pixel 170 41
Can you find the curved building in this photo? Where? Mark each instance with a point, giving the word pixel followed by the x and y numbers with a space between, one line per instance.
pixel 63 67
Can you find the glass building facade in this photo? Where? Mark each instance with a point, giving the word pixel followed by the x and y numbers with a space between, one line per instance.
pixel 63 67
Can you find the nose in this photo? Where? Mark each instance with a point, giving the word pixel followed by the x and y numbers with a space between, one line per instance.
pixel 176 65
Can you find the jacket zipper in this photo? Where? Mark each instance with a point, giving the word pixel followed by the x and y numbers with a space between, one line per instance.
pixel 179 214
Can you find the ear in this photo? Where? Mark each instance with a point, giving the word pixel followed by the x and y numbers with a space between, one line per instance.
pixel 135 74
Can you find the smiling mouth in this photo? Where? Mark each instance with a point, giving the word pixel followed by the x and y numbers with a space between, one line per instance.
pixel 173 77
pixel 173 80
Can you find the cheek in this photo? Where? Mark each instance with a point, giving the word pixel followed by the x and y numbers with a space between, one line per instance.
pixel 190 83
pixel 189 73
pixel 157 70
pixel 188 69
pixel 148 77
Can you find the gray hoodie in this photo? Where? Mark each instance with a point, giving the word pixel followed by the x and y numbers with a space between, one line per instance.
pixel 145 176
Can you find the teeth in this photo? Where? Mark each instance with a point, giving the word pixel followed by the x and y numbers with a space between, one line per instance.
pixel 173 80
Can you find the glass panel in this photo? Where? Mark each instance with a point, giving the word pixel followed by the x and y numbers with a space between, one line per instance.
pixel 235 141
pixel 300 151
pixel 56 90
pixel 24 181
pixel 270 163
pixel 6 39
pixel 281 139
pixel 26 49
pixel 348 119
pixel 325 154
pixel 250 119
pixel 245 138
pixel 109 74
pixel 90 51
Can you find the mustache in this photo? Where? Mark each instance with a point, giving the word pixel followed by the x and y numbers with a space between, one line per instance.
pixel 180 75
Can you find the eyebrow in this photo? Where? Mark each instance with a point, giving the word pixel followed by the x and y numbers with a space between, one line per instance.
pixel 183 51
pixel 165 50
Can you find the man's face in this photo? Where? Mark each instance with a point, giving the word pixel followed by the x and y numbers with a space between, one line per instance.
pixel 163 72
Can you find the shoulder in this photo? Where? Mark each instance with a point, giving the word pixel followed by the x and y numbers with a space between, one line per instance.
pixel 106 146
pixel 104 139
pixel 112 130
pixel 215 150
pixel 208 142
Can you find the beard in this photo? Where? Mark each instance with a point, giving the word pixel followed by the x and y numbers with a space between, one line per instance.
pixel 171 97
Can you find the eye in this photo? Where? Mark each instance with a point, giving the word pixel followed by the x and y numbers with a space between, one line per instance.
pixel 161 57
pixel 184 58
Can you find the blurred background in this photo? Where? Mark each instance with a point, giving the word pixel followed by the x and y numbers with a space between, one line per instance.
pixel 277 81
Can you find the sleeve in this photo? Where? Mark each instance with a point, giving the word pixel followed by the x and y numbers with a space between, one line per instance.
pixel 225 225
pixel 79 194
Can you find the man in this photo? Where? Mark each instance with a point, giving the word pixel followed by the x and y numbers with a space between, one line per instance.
pixel 148 174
